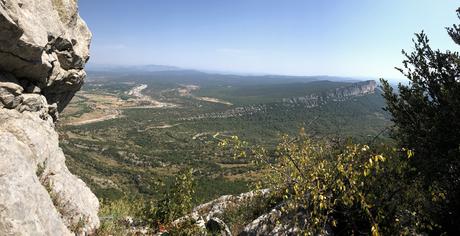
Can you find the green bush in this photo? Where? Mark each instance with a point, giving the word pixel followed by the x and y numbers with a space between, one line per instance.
pixel 114 215
pixel 151 214
pixel 177 201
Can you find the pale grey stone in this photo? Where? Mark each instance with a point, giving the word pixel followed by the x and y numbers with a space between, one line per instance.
pixel 28 144
pixel 10 83
pixel 8 99
pixel 25 205
pixel 218 227
pixel 206 215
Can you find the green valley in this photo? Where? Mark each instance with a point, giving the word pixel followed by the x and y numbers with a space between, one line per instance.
pixel 132 132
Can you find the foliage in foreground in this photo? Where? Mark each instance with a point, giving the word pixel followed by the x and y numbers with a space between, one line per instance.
pixel 126 215
pixel 346 187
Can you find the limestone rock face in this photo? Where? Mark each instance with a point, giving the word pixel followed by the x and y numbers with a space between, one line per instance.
pixel 44 45
pixel 356 89
pixel 337 95
pixel 22 191
pixel 39 195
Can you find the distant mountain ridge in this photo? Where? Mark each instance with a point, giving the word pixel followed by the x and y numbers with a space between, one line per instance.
pixel 159 70
pixel 140 68
pixel 341 94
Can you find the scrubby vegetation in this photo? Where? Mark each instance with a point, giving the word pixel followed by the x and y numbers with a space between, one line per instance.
pixel 346 187
pixel 129 215
pixel 130 153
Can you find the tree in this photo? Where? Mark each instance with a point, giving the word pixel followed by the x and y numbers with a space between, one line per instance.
pixel 426 115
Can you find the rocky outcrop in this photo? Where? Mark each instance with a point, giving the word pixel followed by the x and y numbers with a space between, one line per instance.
pixel 207 216
pixel 275 222
pixel 269 220
pixel 217 207
pixel 336 95
pixel 355 89
pixel 218 227
pixel 44 45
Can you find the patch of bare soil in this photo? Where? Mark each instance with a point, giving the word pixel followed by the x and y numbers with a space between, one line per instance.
pixel 108 106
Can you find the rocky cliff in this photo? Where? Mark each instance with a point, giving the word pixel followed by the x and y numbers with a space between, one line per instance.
pixel 338 94
pixel 44 45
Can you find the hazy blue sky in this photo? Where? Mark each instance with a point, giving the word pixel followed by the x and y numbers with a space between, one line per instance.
pixel 296 37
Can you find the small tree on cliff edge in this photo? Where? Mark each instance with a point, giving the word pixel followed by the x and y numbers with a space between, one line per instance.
pixel 426 114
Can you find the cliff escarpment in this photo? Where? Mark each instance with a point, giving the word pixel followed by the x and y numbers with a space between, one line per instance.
pixel 44 45
pixel 337 95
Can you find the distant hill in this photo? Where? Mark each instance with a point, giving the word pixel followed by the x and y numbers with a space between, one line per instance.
pixel 182 75
pixel 140 68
